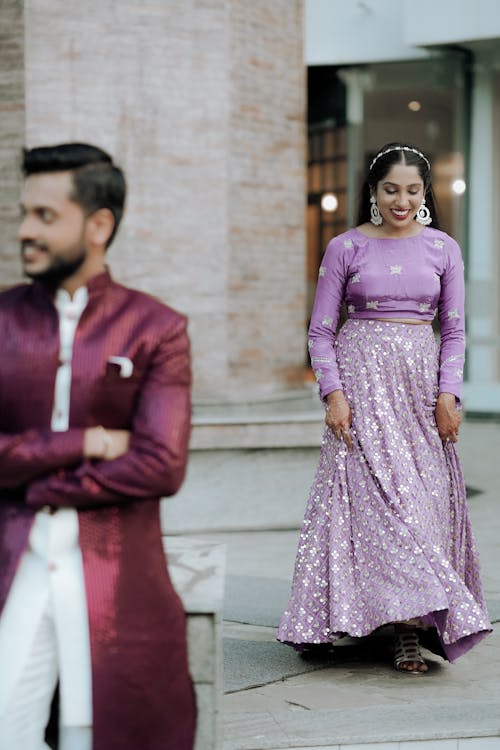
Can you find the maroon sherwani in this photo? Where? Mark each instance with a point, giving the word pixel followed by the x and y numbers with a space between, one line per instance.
pixel 142 694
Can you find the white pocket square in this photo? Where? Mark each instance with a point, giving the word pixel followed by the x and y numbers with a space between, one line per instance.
pixel 125 364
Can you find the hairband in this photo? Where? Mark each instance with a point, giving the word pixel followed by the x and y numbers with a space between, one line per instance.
pixel 400 148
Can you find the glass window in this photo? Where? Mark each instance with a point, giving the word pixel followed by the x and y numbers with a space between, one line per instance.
pixel 423 102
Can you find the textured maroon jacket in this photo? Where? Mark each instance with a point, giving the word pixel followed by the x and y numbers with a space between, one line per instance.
pixel 142 693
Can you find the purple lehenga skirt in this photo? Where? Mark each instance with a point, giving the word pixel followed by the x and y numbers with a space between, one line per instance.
pixel 386 535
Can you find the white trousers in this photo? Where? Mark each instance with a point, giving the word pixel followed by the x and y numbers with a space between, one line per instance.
pixel 44 638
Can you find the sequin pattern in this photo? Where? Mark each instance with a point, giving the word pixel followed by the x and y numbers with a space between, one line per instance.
pixel 386 535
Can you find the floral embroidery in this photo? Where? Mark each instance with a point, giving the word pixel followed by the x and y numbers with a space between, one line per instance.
pixel 355 278
pixel 439 243
pixel 327 321
pixel 451 358
pixel 396 270
pixel 320 360
pixel 453 314
pixel 310 344
pixel 348 243
pixel 459 373
pixel 322 270
pixel 351 308
pixel 372 305
pixel 318 374
pixel 424 306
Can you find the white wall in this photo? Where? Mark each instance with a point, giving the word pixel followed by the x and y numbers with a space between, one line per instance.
pixel 450 21
pixel 350 31
pixel 343 32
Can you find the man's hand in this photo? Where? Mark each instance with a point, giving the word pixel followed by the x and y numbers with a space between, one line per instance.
pixel 338 417
pixel 105 445
pixel 447 417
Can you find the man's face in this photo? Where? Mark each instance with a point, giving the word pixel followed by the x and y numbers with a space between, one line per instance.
pixel 52 232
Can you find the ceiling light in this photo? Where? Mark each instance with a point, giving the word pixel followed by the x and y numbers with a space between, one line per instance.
pixel 329 202
pixel 458 186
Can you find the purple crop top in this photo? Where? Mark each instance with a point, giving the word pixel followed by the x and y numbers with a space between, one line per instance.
pixel 411 277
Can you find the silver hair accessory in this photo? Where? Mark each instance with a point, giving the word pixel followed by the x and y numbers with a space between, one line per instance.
pixel 375 215
pixel 400 148
pixel 423 214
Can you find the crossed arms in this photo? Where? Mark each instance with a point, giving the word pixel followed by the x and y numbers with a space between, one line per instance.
pixel 57 468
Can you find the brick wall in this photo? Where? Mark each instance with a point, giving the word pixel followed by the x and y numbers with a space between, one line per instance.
pixel 202 102
pixel 266 305
pixel 11 134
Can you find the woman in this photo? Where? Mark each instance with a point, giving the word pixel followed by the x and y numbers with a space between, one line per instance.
pixel 386 535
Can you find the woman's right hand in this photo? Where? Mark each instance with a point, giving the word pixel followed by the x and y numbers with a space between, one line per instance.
pixel 105 445
pixel 338 417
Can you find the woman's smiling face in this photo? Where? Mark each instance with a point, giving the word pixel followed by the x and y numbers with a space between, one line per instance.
pixel 399 196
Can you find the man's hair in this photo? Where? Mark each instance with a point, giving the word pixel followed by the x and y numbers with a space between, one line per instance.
pixel 97 182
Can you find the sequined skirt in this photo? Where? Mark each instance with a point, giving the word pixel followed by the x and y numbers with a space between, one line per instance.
pixel 386 535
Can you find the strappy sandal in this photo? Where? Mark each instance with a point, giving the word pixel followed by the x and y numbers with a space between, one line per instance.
pixel 407 650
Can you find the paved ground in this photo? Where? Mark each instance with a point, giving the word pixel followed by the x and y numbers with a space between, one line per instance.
pixel 275 699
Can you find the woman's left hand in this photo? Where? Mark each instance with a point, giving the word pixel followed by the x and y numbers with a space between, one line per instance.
pixel 447 417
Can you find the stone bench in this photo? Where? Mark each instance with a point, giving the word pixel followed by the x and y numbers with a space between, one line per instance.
pixel 197 569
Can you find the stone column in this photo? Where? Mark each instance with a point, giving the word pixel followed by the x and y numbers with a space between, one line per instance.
pixel 11 134
pixel 202 102
pixel 267 196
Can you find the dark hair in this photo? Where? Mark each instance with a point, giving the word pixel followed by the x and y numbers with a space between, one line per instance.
pixel 381 163
pixel 97 182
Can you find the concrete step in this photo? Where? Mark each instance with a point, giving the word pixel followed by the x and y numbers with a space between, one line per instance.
pixel 242 489
pixel 474 743
pixel 197 570
pixel 291 421
pixel 355 700
pixel 250 466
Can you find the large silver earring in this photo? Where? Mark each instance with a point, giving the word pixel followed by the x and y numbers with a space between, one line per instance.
pixel 423 214
pixel 375 215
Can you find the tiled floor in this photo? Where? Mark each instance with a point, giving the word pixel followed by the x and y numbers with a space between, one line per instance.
pixel 473 743
pixel 357 698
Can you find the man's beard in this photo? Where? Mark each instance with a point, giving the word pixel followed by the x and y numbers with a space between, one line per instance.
pixel 59 270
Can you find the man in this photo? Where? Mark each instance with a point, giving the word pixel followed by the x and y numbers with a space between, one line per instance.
pixel 94 428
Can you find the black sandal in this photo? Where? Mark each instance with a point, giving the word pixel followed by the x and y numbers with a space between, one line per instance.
pixel 406 650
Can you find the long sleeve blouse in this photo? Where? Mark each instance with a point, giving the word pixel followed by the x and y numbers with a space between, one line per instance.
pixel 415 277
